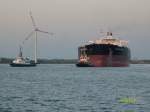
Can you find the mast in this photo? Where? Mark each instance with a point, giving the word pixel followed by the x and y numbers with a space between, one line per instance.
pixel 20 51
pixel 35 55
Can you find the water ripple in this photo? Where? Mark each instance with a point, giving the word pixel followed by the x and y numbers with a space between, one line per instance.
pixel 66 88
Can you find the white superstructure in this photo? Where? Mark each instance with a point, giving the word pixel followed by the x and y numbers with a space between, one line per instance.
pixel 20 60
pixel 110 40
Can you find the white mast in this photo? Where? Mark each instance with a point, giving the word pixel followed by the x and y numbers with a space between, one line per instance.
pixel 36 29
pixel 35 58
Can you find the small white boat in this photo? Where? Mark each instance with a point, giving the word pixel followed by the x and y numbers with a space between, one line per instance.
pixel 22 62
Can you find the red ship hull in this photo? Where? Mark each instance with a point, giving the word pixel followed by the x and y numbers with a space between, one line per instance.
pixel 107 61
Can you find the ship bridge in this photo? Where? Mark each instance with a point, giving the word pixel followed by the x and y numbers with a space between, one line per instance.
pixel 109 39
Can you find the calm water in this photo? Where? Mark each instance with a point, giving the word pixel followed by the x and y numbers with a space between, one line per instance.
pixel 66 88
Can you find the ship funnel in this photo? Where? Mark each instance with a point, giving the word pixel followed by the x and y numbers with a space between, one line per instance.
pixel 109 33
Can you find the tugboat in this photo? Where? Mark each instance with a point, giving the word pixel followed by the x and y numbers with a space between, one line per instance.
pixel 84 62
pixel 22 62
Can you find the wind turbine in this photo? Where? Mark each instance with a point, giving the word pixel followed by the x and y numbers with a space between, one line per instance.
pixel 35 31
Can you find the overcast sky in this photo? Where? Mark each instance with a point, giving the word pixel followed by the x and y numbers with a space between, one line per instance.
pixel 74 22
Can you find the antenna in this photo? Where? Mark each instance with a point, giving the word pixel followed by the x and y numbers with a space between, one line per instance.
pixel 101 32
pixel 107 34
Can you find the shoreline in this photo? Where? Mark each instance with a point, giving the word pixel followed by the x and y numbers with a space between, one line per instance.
pixel 68 61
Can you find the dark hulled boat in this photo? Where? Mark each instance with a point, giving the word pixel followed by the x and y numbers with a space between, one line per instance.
pixel 22 62
pixel 105 52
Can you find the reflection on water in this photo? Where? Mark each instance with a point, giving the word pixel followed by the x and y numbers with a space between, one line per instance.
pixel 66 88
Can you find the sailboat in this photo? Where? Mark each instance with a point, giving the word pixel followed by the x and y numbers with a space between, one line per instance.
pixel 22 62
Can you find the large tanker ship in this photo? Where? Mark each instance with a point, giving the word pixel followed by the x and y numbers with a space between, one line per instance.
pixel 105 52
